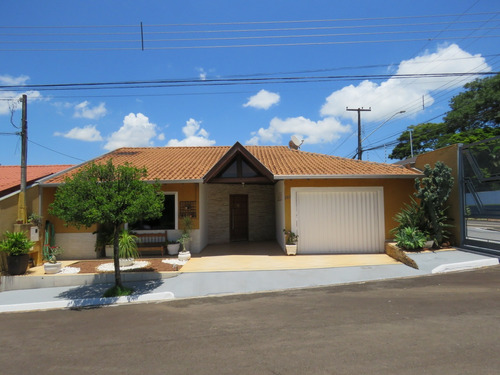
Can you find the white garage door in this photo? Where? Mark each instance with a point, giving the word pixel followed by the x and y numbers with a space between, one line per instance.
pixel 338 220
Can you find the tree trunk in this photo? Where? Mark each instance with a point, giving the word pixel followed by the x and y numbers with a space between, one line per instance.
pixel 118 278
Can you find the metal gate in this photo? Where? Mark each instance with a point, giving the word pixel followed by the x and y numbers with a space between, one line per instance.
pixel 480 186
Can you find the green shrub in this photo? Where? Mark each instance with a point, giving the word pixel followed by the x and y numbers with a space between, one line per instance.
pixel 16 243
pixel 410 238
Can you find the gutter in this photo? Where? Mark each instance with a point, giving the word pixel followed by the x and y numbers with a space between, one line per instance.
pixel 343 176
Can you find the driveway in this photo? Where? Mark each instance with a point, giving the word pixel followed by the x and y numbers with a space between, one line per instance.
pixel 441 324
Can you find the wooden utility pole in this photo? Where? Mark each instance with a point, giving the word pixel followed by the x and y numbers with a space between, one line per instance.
pixel 21 208
pixel 359 110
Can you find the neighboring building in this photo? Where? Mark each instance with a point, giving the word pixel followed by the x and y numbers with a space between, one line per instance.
pixel 10 184
pixel 252 193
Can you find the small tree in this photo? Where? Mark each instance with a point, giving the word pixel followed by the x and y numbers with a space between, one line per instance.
pixel 433 191
pixel 108 194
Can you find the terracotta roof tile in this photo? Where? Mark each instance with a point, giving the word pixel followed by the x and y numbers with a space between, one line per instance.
pixel 192 163
pixel 10 175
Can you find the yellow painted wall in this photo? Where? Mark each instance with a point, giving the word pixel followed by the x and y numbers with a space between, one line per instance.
pixel 8 208
pixel 396 192
pixel 449 156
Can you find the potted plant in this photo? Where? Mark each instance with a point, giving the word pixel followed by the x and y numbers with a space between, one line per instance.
pixel 127 248
pixel 35 219
pixel 291 242
pixel 184 254
pixel 49 254
pixel 173 247
pixel 17 246
pixel 187 225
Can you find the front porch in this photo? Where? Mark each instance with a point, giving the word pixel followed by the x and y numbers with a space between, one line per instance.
pixel 228 257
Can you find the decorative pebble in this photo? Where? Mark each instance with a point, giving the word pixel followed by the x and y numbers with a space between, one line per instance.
pixel 69 270
pixel 175 261
pixel 111 267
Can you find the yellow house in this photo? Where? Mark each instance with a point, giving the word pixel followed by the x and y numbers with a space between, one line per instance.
pixel 252 193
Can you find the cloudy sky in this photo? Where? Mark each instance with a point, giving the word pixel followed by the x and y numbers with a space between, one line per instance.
pixel 213 73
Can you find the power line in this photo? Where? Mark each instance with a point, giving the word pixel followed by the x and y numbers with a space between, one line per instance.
pixel 295 44
pixel 57 152
pixel 229 81
pixel 253 22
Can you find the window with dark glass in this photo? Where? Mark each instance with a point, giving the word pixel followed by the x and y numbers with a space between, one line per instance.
pixel 239 168
pixel 166 221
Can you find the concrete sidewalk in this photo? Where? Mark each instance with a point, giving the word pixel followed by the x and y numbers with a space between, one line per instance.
pixel 221 282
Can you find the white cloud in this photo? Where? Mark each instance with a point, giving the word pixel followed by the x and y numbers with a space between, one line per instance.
pixel 195 136
pixel 395 94
pixel 88 133
pixel 136 131
pixel 14 100
pixel 14 103
pixel 385 98
pixel 326 130
pixel 263 100
pixel 85 111
pixel 202 74
pixel 7 79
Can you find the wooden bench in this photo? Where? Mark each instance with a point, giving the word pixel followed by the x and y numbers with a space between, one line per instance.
pixel 152 242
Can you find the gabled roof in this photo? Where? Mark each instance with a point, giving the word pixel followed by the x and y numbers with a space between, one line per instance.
pixel 192 164
pixel 10 175
pixel 238 155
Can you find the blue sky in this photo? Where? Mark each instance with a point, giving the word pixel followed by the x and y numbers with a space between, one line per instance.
pixel 217 72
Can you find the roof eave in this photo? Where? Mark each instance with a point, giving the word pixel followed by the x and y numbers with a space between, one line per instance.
pixel 343 176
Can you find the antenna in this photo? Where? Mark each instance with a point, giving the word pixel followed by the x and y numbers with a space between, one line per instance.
pixel 295 143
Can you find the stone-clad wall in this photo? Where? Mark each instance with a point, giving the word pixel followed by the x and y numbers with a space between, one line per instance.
pixel 260 211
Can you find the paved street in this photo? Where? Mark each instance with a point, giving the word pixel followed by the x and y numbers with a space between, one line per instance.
pixel 442 324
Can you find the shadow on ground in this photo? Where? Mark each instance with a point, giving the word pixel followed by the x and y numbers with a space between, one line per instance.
pixel 92 295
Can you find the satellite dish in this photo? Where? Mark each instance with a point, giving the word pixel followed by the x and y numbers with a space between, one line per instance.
pixel 295 143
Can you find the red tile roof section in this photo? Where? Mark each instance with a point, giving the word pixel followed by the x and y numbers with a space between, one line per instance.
pixel 10 175
pixel 192 163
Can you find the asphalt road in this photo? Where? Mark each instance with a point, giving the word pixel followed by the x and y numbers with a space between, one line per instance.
pixel 441 324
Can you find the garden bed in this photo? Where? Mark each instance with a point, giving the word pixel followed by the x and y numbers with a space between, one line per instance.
pixel 154 265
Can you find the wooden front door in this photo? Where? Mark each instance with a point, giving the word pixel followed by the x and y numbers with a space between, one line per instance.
pixel 238 217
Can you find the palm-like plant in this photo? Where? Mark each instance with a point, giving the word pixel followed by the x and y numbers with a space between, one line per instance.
pixel 127 245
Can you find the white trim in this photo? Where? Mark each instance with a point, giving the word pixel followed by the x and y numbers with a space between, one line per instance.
pixel 342 176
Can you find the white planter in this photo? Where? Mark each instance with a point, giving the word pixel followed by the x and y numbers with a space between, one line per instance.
pixel 109 251
pixel 428 244
pixel 173 248
pixel 125 262
pixel 291 249
pixel 184 255
pixel 51 268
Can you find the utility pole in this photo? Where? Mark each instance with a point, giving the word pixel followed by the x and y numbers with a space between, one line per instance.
pixel 21 208
pixel 359 110
pixel 411 144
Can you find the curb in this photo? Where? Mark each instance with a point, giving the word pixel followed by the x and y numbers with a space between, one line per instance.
pixel 462 266
pixel 87 302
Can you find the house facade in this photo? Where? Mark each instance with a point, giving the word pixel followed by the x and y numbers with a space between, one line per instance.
pixel 251 193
